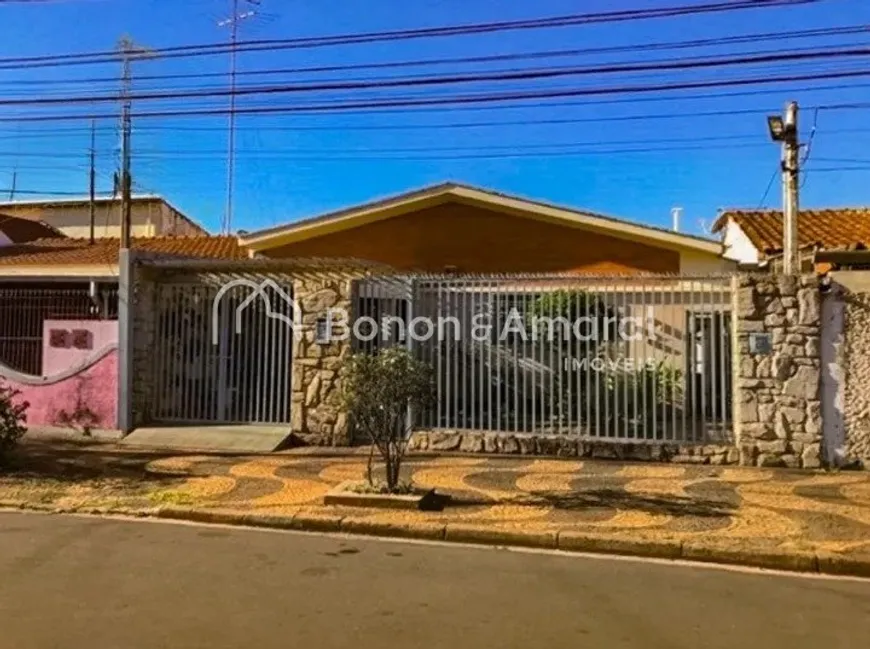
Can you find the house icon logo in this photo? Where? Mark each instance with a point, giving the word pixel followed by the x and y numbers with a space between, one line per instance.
pixel 269 291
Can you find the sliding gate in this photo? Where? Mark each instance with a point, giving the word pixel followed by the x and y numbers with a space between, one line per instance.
pixel 223 352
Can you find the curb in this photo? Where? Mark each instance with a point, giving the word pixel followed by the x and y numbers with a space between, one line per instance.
pixel 566 541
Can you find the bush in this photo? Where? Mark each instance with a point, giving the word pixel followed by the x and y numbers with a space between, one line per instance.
pixel 12 418
pixel 378 391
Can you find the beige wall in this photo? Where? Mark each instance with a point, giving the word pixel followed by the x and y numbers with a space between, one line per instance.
pixel 699 263
pixel 149 219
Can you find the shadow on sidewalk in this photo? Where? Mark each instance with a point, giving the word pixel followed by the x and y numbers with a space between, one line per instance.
pixel 74 461
pixel 614 499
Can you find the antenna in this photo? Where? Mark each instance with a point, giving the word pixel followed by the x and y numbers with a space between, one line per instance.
pixel 129 52
pixel 233 23
pixel 675 215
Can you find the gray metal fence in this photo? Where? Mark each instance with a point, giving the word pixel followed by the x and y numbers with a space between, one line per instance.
pixel 623 359
pixel 226 360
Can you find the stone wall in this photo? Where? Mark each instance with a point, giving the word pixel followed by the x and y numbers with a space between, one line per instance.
pixel 464 441
pixel 316 415
pixel 143 327
pixel 856 378
pixel 778 408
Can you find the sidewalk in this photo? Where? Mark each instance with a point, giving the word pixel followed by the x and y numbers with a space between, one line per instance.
pixel 774 518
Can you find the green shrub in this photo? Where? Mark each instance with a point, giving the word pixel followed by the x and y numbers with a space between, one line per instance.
pixel 378 391
pixel 13 416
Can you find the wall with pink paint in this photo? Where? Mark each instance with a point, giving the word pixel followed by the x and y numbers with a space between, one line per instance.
pixel 95 387
pixel 67 343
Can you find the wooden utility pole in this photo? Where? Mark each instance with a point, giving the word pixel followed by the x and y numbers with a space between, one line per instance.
pixel 92 205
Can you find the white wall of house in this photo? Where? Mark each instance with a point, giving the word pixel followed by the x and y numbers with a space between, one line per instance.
pixel 737 245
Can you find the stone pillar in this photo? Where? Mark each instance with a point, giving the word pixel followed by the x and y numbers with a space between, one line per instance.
pixel 142 314
pixel 777 403
pixel 855 359
pixel 316 416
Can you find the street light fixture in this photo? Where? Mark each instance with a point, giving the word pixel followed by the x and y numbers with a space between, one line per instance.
pixel 776 126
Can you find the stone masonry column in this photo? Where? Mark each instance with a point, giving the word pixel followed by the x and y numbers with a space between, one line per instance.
pixel 777 390
pixel 317 417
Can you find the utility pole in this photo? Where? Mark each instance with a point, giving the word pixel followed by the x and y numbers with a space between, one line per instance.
pixel 233 22
pixel 784 129
pixel 127 50
pixel 92 205
pixel 129 53
pixel 14 183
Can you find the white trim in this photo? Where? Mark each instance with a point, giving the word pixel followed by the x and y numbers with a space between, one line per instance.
pixel 90 271
pixel 29 379
pixel 406 203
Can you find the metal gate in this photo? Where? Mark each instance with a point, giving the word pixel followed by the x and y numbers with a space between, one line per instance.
pixel 223 353
pixel 618 358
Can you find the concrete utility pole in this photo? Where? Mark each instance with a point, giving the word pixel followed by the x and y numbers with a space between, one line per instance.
pixel 233 23
pixel 785 130
pixel 92 205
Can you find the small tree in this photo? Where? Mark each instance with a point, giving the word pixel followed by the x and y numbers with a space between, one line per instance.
pixel 12 418
pixel 379 390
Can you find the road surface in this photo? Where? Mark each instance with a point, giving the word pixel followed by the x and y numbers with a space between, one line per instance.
pixel 81 583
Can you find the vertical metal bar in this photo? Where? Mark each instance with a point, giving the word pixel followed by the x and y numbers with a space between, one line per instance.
pixel 455 311
pixel 514 408
pixel 658 301
pixel 439 320
pixel 492 342
pixel 640 372
pixel 463 351
pixel 499 317
pixel 626 376
pixel 725 343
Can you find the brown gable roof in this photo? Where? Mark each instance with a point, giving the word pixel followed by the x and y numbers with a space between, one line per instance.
pixel 81 252
pixel 830 229
pixel 20 230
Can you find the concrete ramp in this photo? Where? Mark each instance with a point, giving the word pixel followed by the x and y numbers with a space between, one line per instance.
pixel 232 439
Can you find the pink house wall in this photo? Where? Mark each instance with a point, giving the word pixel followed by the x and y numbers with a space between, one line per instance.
pixel 95 387
pixel 91 345
pixel 80 339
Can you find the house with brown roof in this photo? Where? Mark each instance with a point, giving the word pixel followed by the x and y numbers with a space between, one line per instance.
pixel 465 229
pixel 829 237
pixel 16 230
pixel 64 259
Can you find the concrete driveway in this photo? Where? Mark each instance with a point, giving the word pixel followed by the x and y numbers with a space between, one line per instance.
pixel 88 582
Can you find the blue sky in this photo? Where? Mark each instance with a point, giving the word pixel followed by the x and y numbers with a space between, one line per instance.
pixel 285 174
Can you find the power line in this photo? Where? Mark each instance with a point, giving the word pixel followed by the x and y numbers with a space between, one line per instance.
pixel 459 99
pixel 86 58
pixel 643 47
pixel 435 80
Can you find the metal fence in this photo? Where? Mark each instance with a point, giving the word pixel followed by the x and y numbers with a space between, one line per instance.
pixel 226 360
pixel 24 310
pixel 624 359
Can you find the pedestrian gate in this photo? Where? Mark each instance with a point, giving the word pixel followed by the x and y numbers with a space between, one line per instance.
pixel 223 352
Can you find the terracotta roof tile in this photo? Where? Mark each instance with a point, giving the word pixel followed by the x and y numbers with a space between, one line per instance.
pixel 20 230
pixel 830 229
pixel 80 252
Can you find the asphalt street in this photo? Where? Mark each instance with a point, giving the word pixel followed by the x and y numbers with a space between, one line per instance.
pixel 76 582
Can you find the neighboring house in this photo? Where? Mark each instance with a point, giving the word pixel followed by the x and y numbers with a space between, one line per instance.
pixel 59 320
pixel 151 216
pixel 16 230
pixel 79 260
pixel 826 237
pixel 452 227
